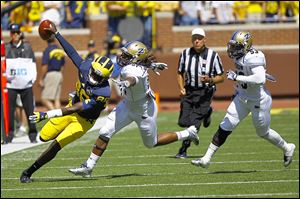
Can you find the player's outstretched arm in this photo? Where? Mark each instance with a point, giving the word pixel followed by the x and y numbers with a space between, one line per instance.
pixel 69 49
pixel 40 116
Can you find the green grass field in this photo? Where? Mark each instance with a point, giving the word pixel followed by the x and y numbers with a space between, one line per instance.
pixel 245 166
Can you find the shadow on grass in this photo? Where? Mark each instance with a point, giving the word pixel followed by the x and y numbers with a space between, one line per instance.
pixel 188 157
pixel 229 172
pixel 73 179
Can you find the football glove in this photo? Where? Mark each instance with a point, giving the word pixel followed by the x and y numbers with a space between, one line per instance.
pixel 37 117
pixel 122 86
pixel 156 67
pixel 231 75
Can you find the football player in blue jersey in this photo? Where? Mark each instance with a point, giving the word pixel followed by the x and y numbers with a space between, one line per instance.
pixel 85 105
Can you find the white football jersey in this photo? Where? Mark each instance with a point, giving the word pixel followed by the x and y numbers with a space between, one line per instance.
pixel 142 88
pixel 250 91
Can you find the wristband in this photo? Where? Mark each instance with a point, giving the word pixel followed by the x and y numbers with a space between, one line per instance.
pixel 54 113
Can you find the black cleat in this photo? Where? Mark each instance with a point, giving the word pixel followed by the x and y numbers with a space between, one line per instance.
pixel 25 178
pixel 207 119
pixel 181 155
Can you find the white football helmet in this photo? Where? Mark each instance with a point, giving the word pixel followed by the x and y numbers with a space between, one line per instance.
pixel 134 52
pixel 239 44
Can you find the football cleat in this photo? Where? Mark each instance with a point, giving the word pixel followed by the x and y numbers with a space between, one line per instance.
pixel 193 134
pixel 25 178
pixel 200 162
pixel 288 155
pixel 181 155
pixel 83 171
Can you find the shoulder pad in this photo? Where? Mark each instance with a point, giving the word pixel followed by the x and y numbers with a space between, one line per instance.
pixel 255 59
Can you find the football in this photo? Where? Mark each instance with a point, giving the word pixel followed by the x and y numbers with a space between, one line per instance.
pixel 45 34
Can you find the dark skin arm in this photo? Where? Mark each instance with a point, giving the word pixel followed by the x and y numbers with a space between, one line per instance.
pixel 72 109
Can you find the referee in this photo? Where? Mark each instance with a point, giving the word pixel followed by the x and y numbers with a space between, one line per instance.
pixel 199 69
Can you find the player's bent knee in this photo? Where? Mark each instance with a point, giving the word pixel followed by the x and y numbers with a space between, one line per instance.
pixel 104 134
pixel 229 123
pixel 262 131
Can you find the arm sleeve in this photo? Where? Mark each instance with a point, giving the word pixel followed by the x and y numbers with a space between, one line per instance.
pixel 218 66
pixel 70 50
pixel 258 77
pixel 181 65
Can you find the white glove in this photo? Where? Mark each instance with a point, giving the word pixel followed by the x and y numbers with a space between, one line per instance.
pixel 156 67
pixel 122 86
pixel 231 75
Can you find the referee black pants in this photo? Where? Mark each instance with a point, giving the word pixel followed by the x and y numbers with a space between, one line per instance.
pixel 28 105
pixel 194 106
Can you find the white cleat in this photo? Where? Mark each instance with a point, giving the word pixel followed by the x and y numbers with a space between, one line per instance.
pixel 193 134
pixel 200 162
pixel 288 156
pixel 83 171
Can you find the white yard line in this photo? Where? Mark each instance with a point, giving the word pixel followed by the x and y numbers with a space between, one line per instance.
pixel 149 185
pixel 157 164
pixel 147 174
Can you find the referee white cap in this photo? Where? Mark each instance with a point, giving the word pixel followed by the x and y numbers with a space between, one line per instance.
pixel 198 31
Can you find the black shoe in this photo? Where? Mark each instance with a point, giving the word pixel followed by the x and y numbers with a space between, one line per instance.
pixel 25 178
pixel 181 155
pixel 207 118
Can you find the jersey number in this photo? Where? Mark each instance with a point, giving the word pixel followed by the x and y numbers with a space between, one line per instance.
pixel 81 92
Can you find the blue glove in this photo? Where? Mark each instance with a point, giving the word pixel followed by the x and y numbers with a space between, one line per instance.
pixel 37 117
pixel 231 75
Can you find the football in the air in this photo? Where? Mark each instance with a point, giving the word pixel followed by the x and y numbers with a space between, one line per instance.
pixel 45 34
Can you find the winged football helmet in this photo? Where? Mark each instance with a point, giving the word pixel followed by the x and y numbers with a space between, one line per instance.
pixel 134 52
pixel 239 44
pixel 100 70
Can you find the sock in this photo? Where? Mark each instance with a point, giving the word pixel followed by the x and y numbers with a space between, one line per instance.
pixel 33 168
pixel 22 128
pixel 182 135
pixel 212 149
pixel 273 137
pixel 92 160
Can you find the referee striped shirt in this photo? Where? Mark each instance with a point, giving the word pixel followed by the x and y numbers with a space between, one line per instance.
pixel 194 65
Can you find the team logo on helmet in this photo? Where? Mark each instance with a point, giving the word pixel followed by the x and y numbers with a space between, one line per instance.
pixel 239 44
pixel 132 53
pixel 100 70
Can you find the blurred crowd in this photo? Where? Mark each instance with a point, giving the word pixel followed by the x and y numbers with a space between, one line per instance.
pixel 73 14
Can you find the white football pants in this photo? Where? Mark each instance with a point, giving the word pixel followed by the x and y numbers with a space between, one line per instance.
pixel 239 109
pixel 142 112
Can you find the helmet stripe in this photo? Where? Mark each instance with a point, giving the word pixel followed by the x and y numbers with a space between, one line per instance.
pixel 233 36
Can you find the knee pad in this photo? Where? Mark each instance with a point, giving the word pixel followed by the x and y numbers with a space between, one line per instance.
pixel 220 137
